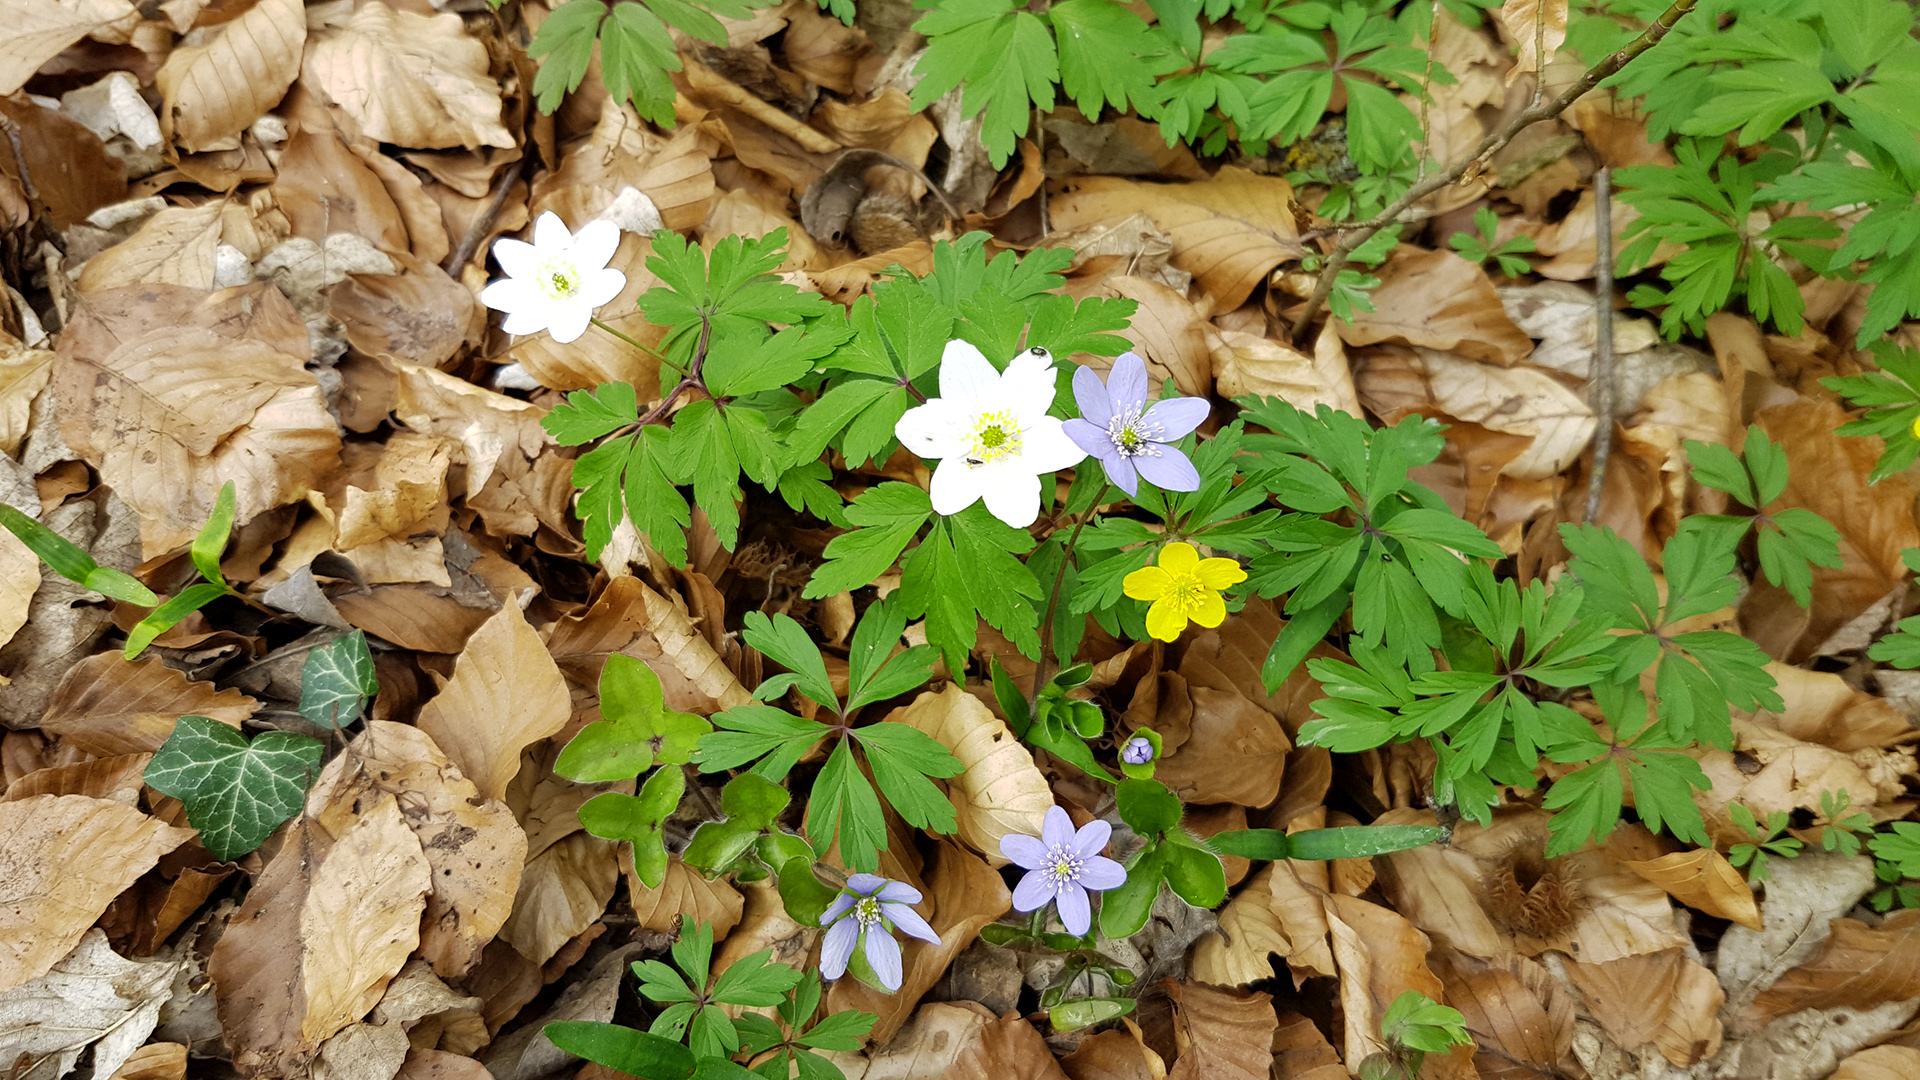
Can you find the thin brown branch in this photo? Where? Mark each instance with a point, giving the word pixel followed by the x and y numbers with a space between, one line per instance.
pixel 1600 384
pixel 482 225
pixel 1476 161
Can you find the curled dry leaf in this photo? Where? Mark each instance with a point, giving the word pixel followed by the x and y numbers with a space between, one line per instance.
pixel 1880 1063
pixel 1663 998
pixel 1121 1055
pixel 473 845
pixel 1246 364
pixel 1228 231
pixel 1008 1049
pixel 1822 708
pixel 415 80
pixel 1002 791
pixel 506 694
pixel 91 998
pixel 1237 753
pixel 927 1045
pixel 63 859
pixel 1859 966
pixel 39 30
pixel 213 91
pixel 1381 956
pixel 1792 775
pixel 174 247
pixel 563 890
pixel 1237 953
pixel 1705 880
pixel 714 902
pixel 1521 1018
pixel 24 372
pixel 116 778
pixel 631 618
pixel 171 392
pixel 1167 331
pixel 1221 1034
pixel 499 433
pixel 154 1061
pixel 1517 400
pixel 675 172
pixel 1437 300
pixel 110 705
pixel 19 580
pixel 1539 28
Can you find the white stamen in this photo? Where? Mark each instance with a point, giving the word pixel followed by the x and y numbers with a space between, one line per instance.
pixel 1133 434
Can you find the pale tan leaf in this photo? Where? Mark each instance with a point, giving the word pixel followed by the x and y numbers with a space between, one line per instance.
pixel 360 920
pixel 473 846
pixel 563 890
pixel 91 998
pixel 171 392
pixel 1518 400
pixel 675 172
pixel 39 30
pixel 19 580
pixel 1437 300
pixel 409 487
pixel 1880 1063
pixel 174 247
pixel 505 695
pixel 631 618
pixel 1539 28
pixel 63 859
pixel 1381 956
pixel 415 80
pixel 1703 879
pixel 1859 966
pixel 213 91
pixel 1167 331
pixel 110 705
pixel 440 1065
pixel 1236 954
pixel 499 433
pixel 1299 902
pixel 1229 231
pixel 1221 1034
pixel 927 1046
pixel 154 1061
pixel 1662 998
pixel 1002 791
pixel 1120 1055
pixel 118 779
pixel 715 902
pixel 1301 1052
pixel 1521 1018
pixel 1246 364
pixel 1821 708
pixel 24 373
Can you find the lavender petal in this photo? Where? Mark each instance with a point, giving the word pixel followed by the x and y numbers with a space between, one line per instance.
pixel 898 892
pixel 1127 383
pixel 1169 471
pixel 1092 838
pixel 1091 396
pixel 910 922
pixel 1075 913
pixel 865 884
pixel 836 948
pixel 883 955
pixel 1120 470
pixel 838 909
pixel 1033 892
pixel 1101 873
pixel 1025 851
pixel 1056 831
pixel 1178 416
pixel 1094 440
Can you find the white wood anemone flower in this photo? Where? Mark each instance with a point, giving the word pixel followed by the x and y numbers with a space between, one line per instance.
pixel 556 282
pixel 991 432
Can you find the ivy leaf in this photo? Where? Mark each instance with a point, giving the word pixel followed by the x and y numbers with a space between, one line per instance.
pixel 236 792
pixel 337 681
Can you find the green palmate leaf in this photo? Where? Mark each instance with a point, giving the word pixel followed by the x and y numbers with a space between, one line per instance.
pixel 564 46
pixel 1103 55
pixel 163 618
pixel 589 415
pixel 888 516
pixel 640 820
pixel 772 737
pixel 1004 55
pixel 843 805
pixel 902 758
pixel 965 571
pixel 236 792
pixel 628 477
pixel 786 643
pixel 212 540
pixel 636 731
pixel 337 681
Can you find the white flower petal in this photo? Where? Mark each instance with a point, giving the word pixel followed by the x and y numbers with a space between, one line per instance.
pixel 1046 448
pixel 570 321
pixel 551 235
pixel 956 486
pixel 602 286
pixel 517 257
pixel 1012 492
pixel 511 295
pixel 1029 386
pixel 938 429
pixel 594 244
pixel 967 378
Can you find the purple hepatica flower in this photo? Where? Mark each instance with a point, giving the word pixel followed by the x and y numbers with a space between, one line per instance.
pixel 871 906
pixel 1137 751
pixel 1063 866
pixel 1130 439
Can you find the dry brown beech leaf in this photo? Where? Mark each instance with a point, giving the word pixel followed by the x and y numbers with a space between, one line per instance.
pixel 1229 231
pixel 1703 879
pixel 1880 1063
pixel 24 372
pixel 1221 1034
pixel 1520 1017
pixel 1539 27
pixel 1860 966
pixel 1121 1055
pixel 1246 363
pixel 171 392
pixel 1237 753
pixel 1008 1049
pixel 1517 400
pixel 1822 708
pixel 154 1061
pixel 213 91
pixel 110 705
pixel 39 30
pixel 1380 955
pixel 505 694
pixel 63 859
pixel 1437 300
pixel 1662 998
pixel 563 890
pixel 716 902
pixel 415 80
pixel 1002 791
pixel 92 998
pixel 116 778
pixel 473 846
pixel 1236 954
pixel 174 247
pixel 19 580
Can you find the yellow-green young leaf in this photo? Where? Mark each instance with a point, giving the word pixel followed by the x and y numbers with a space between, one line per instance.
pixel 161 619
pixel 638 819
pixel 236 792
pixel 638 728
pixel 212 540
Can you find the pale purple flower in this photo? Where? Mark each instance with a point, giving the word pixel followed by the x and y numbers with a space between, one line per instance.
pixel 871 907
pixel 1130 439
pixel 1063 865
pixel 1138 751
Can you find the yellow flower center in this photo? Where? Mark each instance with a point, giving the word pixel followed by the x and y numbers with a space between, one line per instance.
pixel 559 279
pixel 995 435
pixel 1186 591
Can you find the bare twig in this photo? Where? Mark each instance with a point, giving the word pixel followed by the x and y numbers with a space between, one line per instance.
pixel 482 225
pixel 1601 383
pixel 1476 161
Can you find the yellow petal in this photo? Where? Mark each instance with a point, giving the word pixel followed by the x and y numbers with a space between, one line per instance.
pixel 1165 620
pixel 1179 558
pixel 1147 583
pixel 1211 611
pixel 1217 574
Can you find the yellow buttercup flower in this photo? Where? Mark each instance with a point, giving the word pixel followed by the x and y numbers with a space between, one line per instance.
pixel 1916 427
pixel 1183 588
